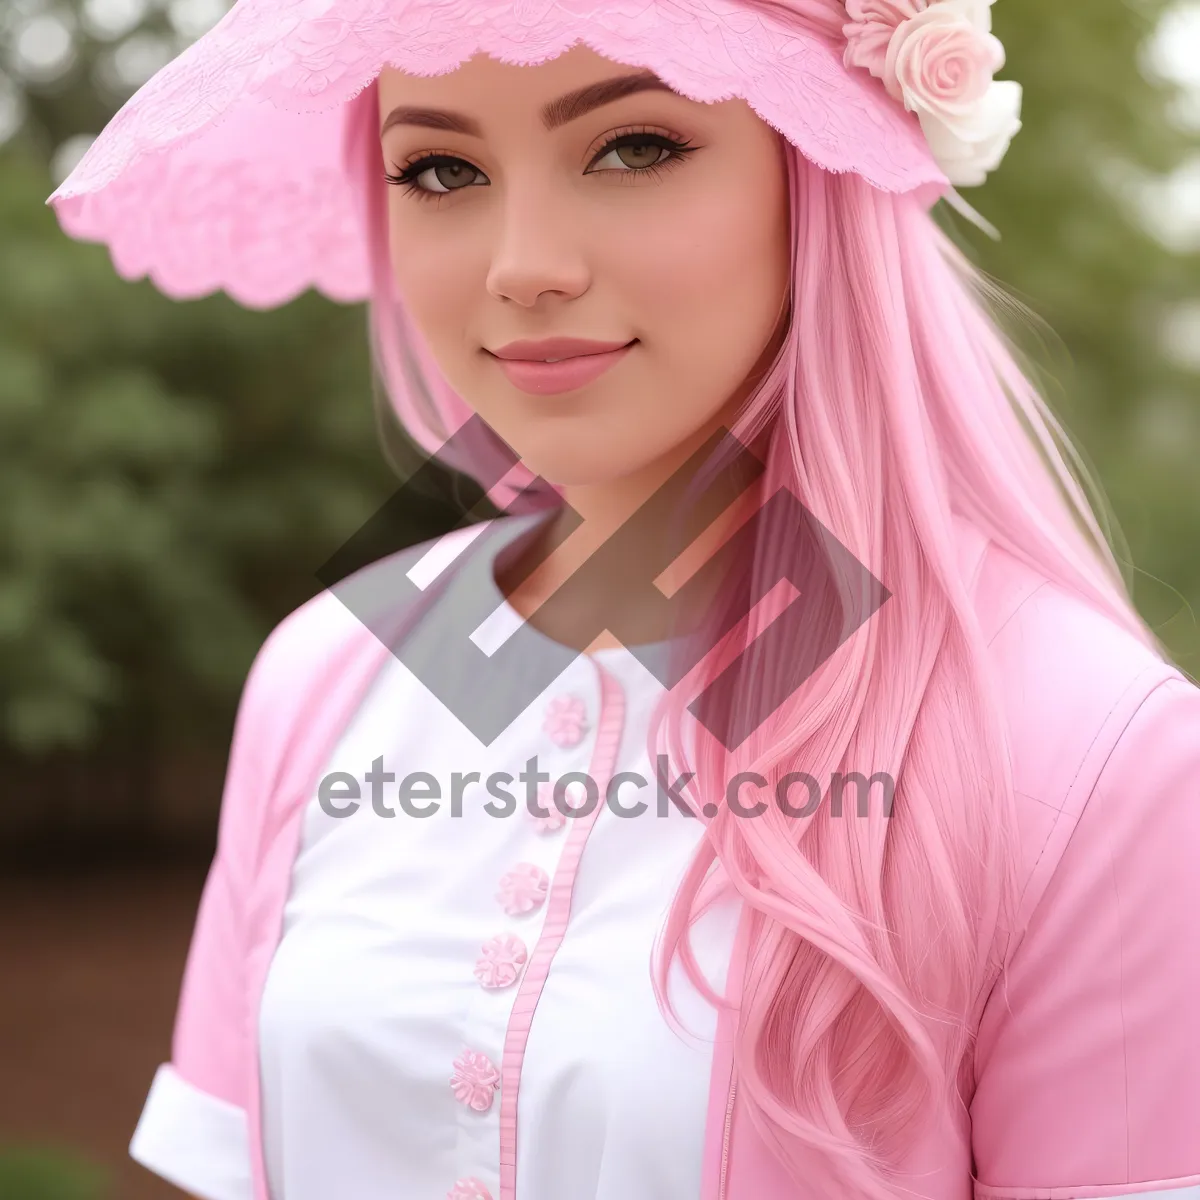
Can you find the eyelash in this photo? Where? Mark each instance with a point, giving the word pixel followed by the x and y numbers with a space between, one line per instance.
pixel 679 149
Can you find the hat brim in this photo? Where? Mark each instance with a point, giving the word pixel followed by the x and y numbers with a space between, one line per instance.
pixel 229 170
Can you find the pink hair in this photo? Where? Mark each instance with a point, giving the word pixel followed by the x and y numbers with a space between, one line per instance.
pixel 894 404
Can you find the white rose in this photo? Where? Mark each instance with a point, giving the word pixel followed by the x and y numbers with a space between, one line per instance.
pixel 977 13
pixel 940 61
pixel 969 145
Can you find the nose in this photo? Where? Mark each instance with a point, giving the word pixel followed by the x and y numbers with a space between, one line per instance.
pixel 537 250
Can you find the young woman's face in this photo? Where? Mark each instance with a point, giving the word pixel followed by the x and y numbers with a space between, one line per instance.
pixel 528 213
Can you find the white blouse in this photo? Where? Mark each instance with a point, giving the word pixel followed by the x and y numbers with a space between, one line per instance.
pixel 451 984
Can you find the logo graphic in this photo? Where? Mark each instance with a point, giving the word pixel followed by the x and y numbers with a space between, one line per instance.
pixel 780 544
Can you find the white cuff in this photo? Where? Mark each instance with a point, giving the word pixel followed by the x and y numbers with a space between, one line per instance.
pixel 195 1140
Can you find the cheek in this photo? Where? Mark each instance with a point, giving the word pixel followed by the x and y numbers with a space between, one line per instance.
pixel 438 278
pixel 712 273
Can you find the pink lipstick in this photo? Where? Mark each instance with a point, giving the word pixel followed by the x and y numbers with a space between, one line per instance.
pixel 555 365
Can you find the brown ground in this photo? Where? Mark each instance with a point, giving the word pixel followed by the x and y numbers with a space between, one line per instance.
pixel 91 964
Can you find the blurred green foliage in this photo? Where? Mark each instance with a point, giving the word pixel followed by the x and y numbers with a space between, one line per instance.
pixel 171 475
pixel 1075 250
pixel 31 1174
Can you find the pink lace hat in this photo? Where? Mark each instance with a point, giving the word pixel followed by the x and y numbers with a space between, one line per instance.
pixel 230 169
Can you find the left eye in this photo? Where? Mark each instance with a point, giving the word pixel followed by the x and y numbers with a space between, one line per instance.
pixel 635 154
pixel 447 176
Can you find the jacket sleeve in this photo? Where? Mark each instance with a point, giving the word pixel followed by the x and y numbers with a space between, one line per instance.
pixel 1088 1056
pixel 193 1128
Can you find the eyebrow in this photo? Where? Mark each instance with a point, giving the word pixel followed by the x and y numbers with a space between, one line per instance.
pixel 557 112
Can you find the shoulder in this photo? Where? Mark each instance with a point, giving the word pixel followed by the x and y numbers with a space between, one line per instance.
pixel 1086 1062
pixel 364 606
pixel 1083 700
pixel 312 669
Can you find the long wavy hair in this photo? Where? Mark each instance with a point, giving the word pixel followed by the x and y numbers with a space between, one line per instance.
pixel 895 408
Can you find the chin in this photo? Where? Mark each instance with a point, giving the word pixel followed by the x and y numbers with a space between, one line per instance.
pixel 575 470
pixel 571 449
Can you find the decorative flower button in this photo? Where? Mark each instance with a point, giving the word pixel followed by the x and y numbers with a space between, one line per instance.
pixel 566 719
pixel 475 1080
pixel 500 961
pixel 575 795
pixel 522 889
pixel 469 1188
pixel 554 820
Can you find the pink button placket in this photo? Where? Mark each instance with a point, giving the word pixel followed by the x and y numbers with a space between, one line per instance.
pixel 566 720
pixel 475 1080
pixel 522 889
pixel 500 961
pixel 501 958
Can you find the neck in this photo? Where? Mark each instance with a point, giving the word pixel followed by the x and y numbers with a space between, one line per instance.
pixel 594 514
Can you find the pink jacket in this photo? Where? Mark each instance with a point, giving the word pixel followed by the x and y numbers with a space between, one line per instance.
pixel 1087 1060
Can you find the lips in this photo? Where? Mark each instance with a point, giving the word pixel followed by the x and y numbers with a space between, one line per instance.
pixel 577 362
pixel 555 348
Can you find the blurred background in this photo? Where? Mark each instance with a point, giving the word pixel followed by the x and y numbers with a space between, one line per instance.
pixel 172 476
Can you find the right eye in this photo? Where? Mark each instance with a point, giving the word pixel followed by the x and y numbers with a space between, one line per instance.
pixel 437 174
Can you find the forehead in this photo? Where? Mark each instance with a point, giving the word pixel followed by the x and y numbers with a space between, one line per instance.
pixel 482 79
pixel 484 96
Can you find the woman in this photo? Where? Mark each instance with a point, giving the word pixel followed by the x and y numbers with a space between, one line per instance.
pixel 437 955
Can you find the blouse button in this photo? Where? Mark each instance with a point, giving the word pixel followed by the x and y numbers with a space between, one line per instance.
pixel 566 719
pixel 469 1188
pixel 554 820
pixel 522 889
pixel 575 798
pixel 500 961
pixel 475 1080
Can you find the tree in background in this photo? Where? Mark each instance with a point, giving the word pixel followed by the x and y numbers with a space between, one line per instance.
pixel 1077 249
pixel 172 474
